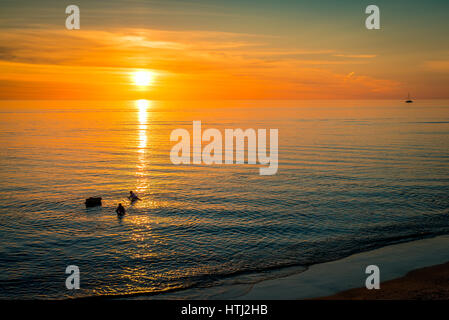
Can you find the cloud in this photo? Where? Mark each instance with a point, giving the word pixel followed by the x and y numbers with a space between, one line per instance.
pixel 437 65
pixel 189 64
pixel 357 56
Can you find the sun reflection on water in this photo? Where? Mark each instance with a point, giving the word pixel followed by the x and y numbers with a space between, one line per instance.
pixel 142 106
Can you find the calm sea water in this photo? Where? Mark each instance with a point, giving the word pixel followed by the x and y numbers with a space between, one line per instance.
pixel 353 175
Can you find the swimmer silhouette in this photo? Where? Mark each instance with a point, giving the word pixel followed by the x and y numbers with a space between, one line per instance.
pixel 120 210
pixel 133 197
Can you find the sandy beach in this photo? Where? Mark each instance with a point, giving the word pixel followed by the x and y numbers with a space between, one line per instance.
pixel 430 283
pixel 411 270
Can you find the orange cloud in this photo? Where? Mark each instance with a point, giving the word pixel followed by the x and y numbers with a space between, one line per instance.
pixel 358 56
pixel 437 65
pixel 93 64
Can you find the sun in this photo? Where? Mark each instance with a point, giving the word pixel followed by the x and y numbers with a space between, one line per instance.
pixel 143 78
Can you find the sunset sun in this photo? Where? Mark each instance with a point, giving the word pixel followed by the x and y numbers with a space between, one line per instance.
pixel 143 78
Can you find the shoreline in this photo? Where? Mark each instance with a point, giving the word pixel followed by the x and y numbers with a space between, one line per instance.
pixel 428 283
pixel 335 277
pixel 332 280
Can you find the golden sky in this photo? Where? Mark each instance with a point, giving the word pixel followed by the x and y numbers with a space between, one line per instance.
pixel 241 58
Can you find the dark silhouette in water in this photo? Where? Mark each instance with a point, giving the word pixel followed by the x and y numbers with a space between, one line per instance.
pixel 93 202
pixel 120 210
pixel 409 100
pixel 133 197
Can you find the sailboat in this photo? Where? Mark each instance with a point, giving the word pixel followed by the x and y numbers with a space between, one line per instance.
pixel 409 100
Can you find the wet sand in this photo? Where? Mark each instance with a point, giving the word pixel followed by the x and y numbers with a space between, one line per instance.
pixel 428 257
pixel 430 283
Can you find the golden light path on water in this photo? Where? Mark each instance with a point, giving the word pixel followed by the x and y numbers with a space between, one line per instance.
pixel 142 106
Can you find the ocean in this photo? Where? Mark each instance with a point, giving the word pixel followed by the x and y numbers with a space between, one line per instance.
pixel 352 176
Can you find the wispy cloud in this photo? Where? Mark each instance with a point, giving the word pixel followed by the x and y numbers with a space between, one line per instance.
pixel 190 64
pixel 356 56
pixel 437 65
